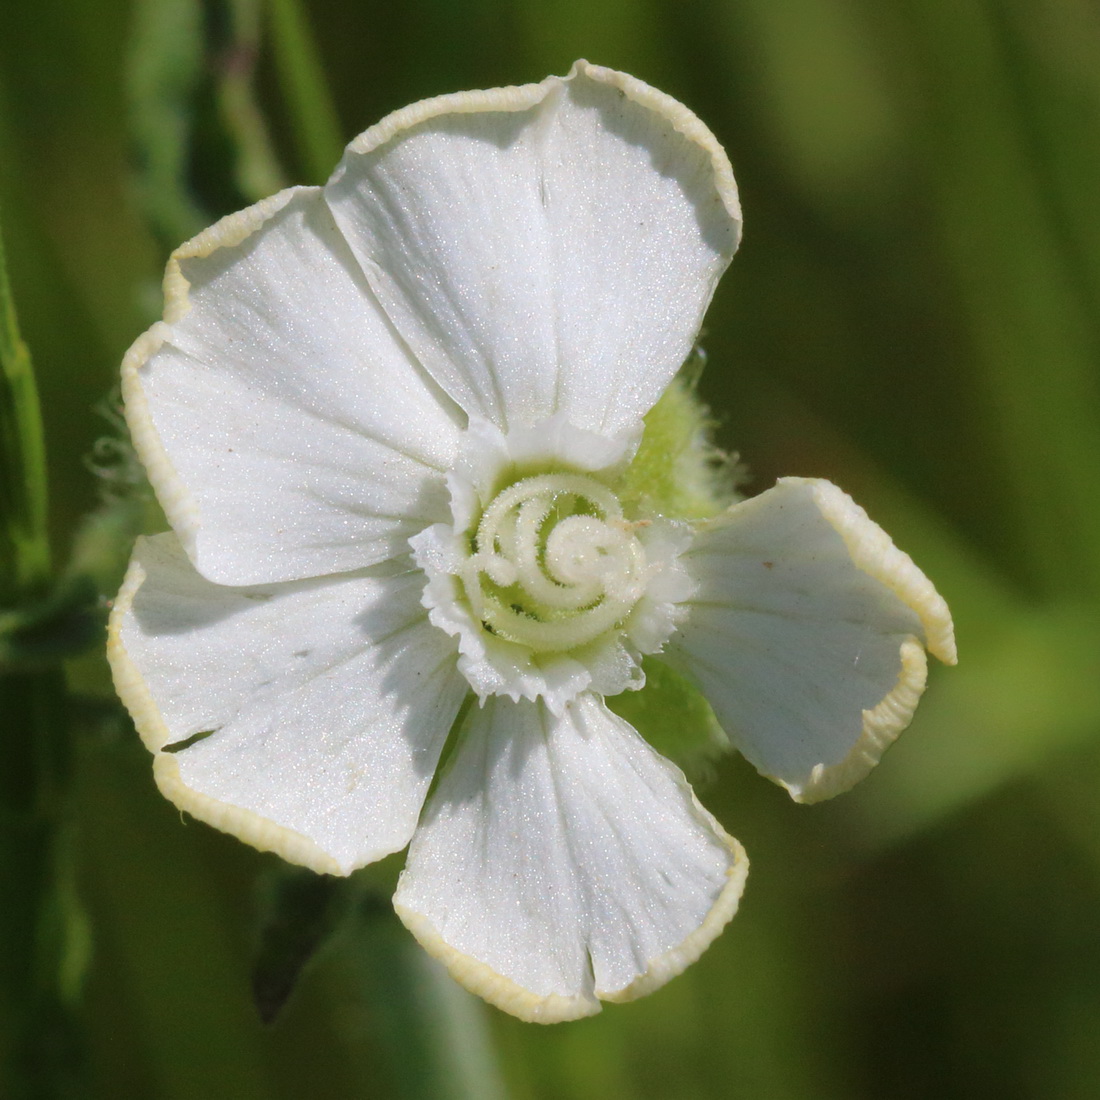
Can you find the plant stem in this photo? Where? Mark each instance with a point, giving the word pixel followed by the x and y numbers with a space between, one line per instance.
pixel 258 173
pixel 23 452
pixel 39 912
pixel 313 120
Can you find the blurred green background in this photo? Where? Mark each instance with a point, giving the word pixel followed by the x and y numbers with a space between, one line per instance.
pixel 915 313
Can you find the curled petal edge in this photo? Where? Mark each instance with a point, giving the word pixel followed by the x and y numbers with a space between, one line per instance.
pixel 260 832
pixel 512 998
pixel 881 726
pixel 520 97
pixel 254 829
pixel 873 551
pixel 177 501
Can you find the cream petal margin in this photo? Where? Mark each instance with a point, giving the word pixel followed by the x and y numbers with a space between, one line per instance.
pixel 330 701
pixel 707 650
pixel 581 746
pixel 284 426
pixel 873 551
pixel 558 262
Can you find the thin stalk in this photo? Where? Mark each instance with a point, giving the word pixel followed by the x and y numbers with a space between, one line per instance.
pixel 39 912
pixel 258 172
pixel 313 120
pixel 460 1025
pixel 23 489
pixel 165 61
pixel 40 1054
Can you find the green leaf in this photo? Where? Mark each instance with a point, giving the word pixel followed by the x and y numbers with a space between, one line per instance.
pixel 299 911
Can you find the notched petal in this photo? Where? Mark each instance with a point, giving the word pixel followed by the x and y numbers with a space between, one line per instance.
pixel 323 705
pixel 562 862
pixel 543 249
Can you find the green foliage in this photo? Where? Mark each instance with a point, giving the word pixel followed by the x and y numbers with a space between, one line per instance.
pixel 914 314
pixel 26 553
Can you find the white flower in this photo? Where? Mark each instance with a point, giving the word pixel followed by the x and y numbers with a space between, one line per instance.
pixel 390 421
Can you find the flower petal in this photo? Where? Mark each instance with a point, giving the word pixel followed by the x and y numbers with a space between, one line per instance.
pixel 562 861
pixel 328 702
pixel 547 248
pixel 287 431
pixel 805 634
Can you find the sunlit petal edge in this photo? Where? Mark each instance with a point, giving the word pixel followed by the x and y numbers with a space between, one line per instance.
pixel 179 504
pixel 252 828
pixel 520 97
pixel 511 997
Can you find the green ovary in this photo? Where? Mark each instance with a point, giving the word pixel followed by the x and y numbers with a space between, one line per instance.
pixel 554 563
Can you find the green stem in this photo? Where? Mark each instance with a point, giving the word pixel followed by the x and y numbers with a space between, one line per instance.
pixel 164 75
pixel 37 919
pixel 40 1052
pixel 177 989
pixel 23 500
pixel 258 173
pixel 461 1029
pixel 314 122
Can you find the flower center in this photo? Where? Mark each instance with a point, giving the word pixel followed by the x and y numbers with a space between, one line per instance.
pixel 553 563
pixel 548 587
